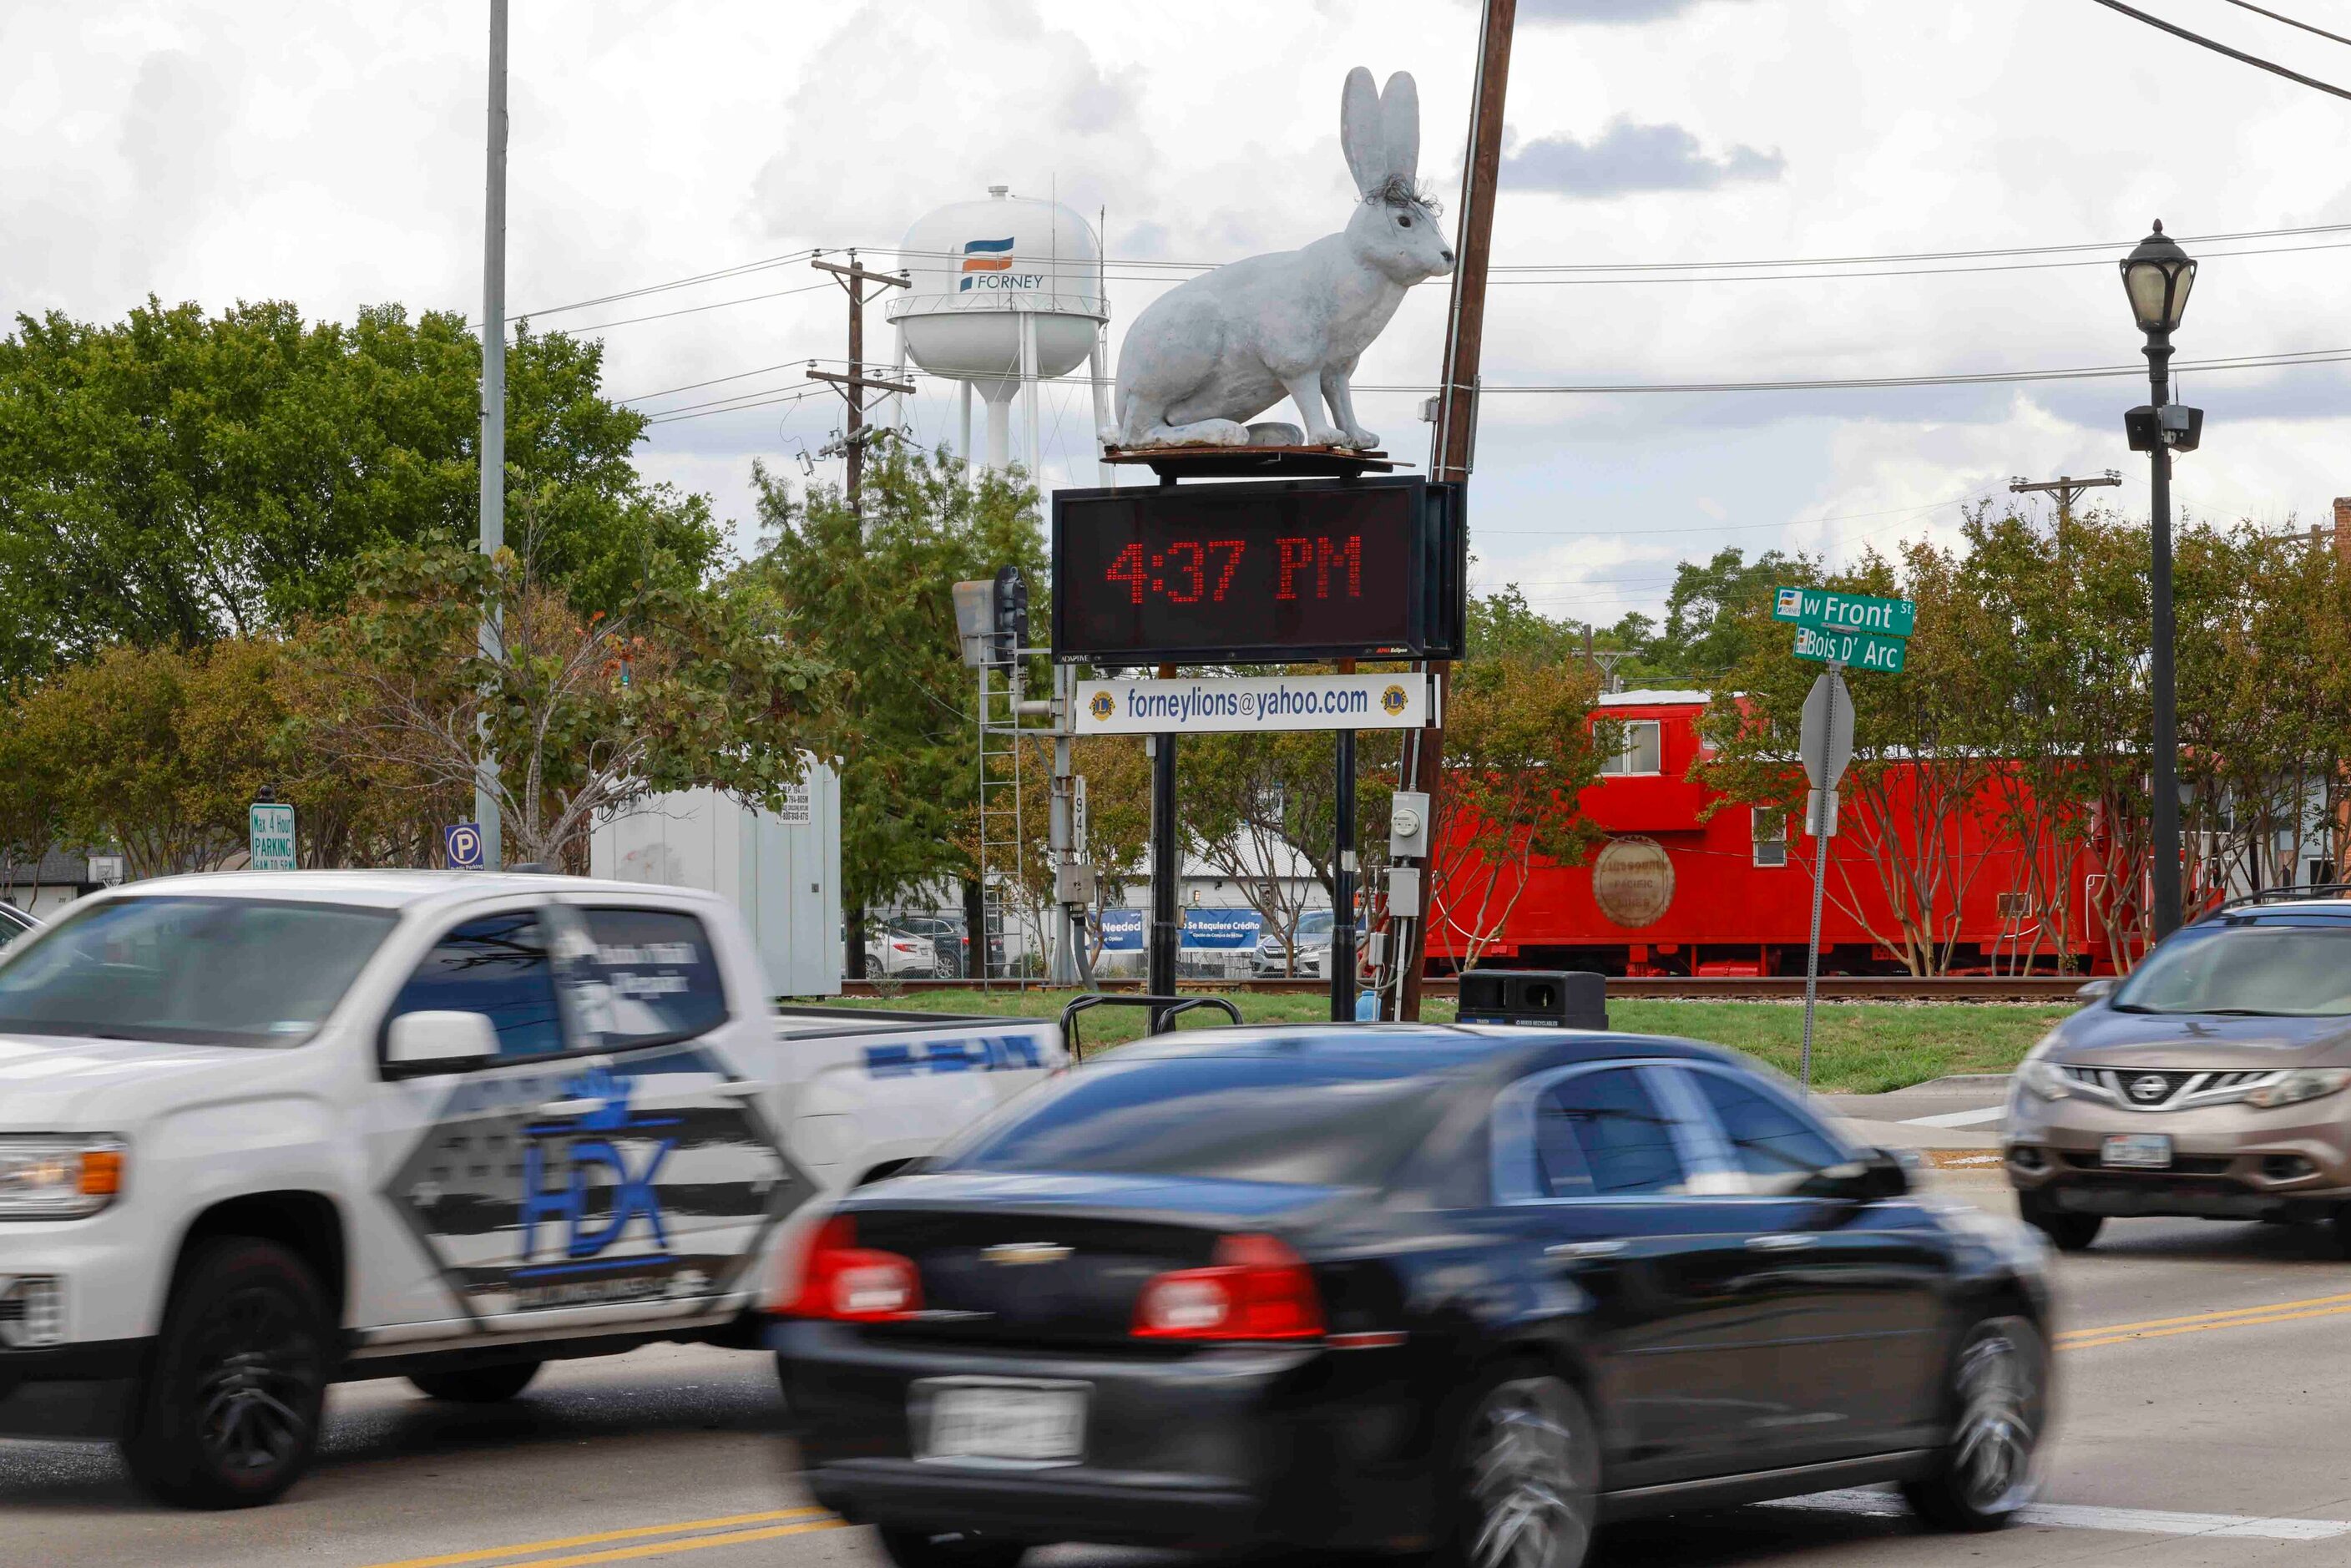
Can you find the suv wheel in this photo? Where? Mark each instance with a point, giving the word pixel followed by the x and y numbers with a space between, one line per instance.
pixel 229 1414
pixel 2067 1231
pixel 1526 1477
pixel 2000 1389
pixel 476 1385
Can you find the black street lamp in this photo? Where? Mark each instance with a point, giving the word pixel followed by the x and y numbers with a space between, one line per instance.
pixel 2157 275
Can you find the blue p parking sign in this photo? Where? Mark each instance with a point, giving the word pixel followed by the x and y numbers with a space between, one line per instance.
pixel 464 844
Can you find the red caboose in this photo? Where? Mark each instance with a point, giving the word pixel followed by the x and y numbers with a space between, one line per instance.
pixel 1675 891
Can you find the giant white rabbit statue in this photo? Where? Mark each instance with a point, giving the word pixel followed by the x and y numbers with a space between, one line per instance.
pixel 1214 352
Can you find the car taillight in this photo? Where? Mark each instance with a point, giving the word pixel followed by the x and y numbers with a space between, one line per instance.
pixel 843 1282
pixel 1256 1289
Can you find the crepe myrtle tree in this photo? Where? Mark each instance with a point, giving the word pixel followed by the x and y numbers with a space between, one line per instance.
pixel 1521 747
pixel 584 713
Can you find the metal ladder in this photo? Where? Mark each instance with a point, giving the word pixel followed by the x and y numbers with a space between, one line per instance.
pixel 1001 850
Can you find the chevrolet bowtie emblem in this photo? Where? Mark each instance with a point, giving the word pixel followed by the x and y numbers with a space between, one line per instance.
pixel 1025 1252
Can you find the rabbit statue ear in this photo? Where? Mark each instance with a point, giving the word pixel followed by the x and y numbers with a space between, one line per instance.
pixel 1400 126
pixel 1363 133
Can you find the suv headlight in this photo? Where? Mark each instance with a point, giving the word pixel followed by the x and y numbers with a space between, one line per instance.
pixel 48 1175
pixel 2044 1078
pixel 2302 1083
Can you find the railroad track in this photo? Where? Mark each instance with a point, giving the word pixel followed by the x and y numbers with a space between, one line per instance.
pixel 2040 988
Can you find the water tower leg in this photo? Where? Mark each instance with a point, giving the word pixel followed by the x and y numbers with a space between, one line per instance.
pixel 1036 456
pixel 965 448
pixel 1102 474
pixel 999 432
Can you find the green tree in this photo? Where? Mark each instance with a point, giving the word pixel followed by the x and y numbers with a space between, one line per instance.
pixel 176 478
pixel 1712 623
pixel 1520 748
pixel 1924 741
pixel 875 592
pixel 585 713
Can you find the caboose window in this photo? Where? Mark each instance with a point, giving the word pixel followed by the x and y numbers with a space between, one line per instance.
pixel 1770 837
pixel 1641 749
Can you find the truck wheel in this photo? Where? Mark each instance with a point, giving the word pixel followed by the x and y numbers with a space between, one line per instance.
pixel 476 1385
pixel 229 1414
pixel 950 1549
pixel 2067 1231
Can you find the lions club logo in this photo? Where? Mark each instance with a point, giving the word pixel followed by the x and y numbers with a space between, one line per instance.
pixel 1101 707
pixel 1391 701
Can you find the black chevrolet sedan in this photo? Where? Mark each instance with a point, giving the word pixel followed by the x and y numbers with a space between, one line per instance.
pixel 1466 1292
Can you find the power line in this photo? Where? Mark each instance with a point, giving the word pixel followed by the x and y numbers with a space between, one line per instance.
pixel 723 272
pixel 2220 49
pixel 715 380
pixel 1978 378
pixel 1723 528
pixel 1841 384
pixel 693 309
pixel 1137 270
pixel 765 399
pixel 1647 277
pixel 2289 21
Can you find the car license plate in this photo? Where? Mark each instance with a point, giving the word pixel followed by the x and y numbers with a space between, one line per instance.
pixel 2138 1151
pixel 1006 1423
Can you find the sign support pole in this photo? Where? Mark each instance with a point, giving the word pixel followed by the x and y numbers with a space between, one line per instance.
pixel 1457 407
pixel 1822 808
pixel 1343 885
pixel 493 454
pixel 1166 867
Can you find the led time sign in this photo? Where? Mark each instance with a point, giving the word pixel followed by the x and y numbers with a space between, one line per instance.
pixel 1257 573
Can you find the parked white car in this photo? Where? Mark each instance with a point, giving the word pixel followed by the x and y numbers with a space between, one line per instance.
pixel 260 1132
pixel 893 951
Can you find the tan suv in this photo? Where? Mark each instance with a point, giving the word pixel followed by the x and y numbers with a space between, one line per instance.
pixel 2210 1082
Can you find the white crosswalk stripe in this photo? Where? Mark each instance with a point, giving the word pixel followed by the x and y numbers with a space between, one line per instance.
pixel 2121 1521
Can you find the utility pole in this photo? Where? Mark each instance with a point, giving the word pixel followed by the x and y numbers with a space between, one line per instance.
pixel 855 386
pixel 494 410
pixel 1456 398
pixel 855 389
pixel 2065 489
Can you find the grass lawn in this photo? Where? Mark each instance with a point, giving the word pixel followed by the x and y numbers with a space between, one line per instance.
pixel 1858 1047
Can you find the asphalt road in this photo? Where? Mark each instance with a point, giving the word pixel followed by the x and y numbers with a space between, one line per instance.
pixel 2201 1424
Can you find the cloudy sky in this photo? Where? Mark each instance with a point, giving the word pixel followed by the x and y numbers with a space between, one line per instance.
pixel 217 150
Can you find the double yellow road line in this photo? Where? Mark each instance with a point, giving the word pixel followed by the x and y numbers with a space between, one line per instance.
pixel 2205 1322
pixel 694 1535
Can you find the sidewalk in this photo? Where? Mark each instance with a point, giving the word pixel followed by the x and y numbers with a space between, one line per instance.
pixel 1952 1123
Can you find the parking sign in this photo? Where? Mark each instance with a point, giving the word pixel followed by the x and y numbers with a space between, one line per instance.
pixel 269 836
pixel 464 841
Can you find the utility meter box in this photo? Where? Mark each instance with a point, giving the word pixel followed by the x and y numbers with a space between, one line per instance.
pixel 1408 824
pixel 781 869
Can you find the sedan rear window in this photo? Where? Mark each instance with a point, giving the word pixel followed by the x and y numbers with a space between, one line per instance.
pixel 2284 971
pixel 1234 1118
pixel 199 971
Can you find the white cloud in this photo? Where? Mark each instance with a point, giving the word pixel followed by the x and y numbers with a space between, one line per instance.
pixel 222 148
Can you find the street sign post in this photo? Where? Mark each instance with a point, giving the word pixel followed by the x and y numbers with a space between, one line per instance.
pixel 1839 629
pixel 269 835
pixel 1825 742
pixel 1861 650
pixel 464 843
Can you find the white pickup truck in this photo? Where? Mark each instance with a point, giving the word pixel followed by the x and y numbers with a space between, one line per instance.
pixel 262 1132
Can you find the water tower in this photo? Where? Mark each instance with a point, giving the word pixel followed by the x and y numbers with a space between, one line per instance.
pixel 1006 292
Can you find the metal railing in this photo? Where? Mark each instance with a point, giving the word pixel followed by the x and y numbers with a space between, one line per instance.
pixel 1164 1011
